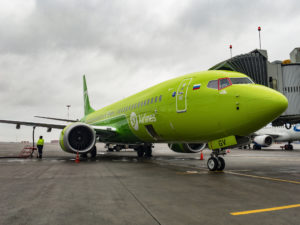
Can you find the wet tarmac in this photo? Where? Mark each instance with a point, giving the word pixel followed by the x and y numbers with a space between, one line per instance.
pixel 171 188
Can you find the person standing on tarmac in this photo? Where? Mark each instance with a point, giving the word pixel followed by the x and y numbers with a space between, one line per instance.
pixel 40 145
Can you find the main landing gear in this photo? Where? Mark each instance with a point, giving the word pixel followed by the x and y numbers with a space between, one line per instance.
pixel 256 147
pixel 215 162
pixel 288 146
pixel 144 151
pixel 92 154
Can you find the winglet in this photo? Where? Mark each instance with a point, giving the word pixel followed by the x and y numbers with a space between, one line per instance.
pixel 87 107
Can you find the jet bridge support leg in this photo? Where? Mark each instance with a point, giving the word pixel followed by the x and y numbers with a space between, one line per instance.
pixel 215 162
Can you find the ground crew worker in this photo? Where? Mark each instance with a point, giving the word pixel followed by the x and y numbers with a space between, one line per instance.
pixel 40 145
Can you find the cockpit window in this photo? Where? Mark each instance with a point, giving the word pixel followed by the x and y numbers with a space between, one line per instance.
pixel 223 83
pixel 241 80
pixel 213 84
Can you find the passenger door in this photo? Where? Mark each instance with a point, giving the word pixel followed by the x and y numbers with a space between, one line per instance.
pixel 181 97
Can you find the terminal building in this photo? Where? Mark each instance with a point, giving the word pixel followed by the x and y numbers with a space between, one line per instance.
pixel 283 76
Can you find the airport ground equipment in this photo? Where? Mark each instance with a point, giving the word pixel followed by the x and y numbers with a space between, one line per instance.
pixel 283 76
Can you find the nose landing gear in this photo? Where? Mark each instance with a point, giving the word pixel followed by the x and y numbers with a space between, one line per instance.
pixel 215 162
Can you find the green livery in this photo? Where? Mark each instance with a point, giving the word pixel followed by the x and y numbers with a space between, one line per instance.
pixel 173 112
pixel 217 107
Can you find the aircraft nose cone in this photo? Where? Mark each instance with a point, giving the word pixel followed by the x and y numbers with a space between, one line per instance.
pixel 274 103
pixel 269 105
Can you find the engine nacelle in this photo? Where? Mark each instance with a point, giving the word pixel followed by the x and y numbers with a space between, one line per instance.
pixel 187 148
pixel 263 140
pixel 77 137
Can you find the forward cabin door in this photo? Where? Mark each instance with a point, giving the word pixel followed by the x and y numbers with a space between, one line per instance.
pixel 181 97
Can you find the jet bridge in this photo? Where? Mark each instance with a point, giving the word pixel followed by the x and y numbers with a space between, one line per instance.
pixel 283 76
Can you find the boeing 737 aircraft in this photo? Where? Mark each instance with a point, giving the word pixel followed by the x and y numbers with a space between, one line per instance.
pixel 266 136
pixel 220 108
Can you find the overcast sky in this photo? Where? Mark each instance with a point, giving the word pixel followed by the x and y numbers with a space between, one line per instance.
pixel 123 47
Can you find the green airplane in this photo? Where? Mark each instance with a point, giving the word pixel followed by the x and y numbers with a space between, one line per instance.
pixel 218 108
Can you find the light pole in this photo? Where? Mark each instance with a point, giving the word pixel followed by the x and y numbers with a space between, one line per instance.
pixel 68 106
pixel 259 29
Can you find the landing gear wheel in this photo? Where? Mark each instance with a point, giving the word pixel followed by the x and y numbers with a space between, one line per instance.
pixel 140 152
pixel 221 164
pixel 148 152
pixel 256 147
pixel 212 164
pixel 94 152
pixel 118 148
pixel 288 147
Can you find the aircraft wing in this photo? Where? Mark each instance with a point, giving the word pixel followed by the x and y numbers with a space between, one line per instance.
pixel 33 124
pixel 102 131
pixel 59 119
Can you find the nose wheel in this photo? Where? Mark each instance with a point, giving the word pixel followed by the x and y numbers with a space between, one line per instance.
pixel 215 162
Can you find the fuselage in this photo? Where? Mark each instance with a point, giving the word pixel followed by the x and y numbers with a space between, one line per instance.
pixel 196 107
pixel 281 133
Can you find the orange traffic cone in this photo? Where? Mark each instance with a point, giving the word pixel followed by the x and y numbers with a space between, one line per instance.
pixel 77 158
pixel 228 151
pixel 201 156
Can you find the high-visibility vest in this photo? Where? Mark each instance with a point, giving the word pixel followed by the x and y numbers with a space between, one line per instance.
pixel 40 142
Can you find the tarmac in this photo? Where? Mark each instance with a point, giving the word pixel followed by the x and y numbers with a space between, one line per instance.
pixel 256 187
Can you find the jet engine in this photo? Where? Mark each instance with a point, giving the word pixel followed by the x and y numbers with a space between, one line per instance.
pixel 187 147
pixel 77 137
pixel 263 140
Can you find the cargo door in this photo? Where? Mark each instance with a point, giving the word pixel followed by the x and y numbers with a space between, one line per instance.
pixel 181 97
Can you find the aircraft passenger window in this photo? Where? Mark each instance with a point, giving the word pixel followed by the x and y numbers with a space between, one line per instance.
pixel 241 80
pixel 135 106
pixel 148 101
pixel 138 105
pixel 156 99
pixel 160 97
pixel 141 103
pixel 145 102
pixel 223 83
pixel 213 84
pixel 132 107
pixel 151 100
